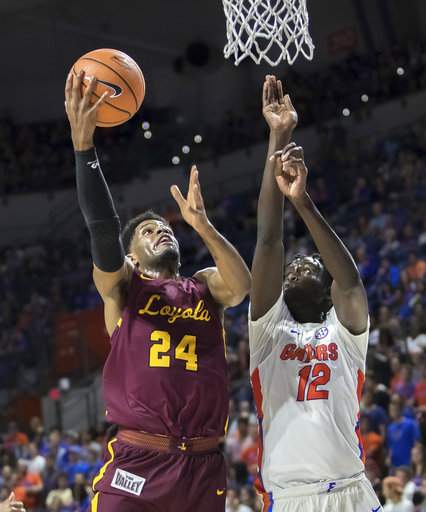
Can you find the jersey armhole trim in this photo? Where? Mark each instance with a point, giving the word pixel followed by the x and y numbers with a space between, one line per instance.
pixel 355 338
pixel 280 303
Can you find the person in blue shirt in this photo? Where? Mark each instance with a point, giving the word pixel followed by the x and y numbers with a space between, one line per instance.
pixel 76 464
pixel 376 414
pixel 402 434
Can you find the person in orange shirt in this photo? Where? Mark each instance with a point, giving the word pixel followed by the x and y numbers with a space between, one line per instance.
pixel 14 437
pixel 28 487
pixel 249 453
pixel 420 390
pixel 372 442
pixel 416 269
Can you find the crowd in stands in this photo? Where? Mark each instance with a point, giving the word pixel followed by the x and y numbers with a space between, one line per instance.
pixel 30 164
pixel 373 193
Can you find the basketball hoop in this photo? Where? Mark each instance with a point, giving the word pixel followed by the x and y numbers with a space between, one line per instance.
pixel 270 30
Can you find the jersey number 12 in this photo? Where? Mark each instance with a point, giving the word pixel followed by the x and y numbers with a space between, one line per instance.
pixel 320 374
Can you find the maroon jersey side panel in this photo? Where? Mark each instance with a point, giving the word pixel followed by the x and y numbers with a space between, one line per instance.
pixel 166 371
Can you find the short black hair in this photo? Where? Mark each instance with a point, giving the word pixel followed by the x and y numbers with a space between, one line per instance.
pixel 130 227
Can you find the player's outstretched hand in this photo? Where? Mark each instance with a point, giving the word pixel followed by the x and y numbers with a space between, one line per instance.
pixel 292 178
pixel 192 208
pixel 81 109
pixel 278 110
pixel 11 505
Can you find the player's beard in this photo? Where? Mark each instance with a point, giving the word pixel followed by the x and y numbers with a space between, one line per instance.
pixel 308 299
pixel 169 258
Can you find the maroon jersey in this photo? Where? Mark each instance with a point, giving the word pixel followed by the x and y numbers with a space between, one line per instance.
pixel 166 371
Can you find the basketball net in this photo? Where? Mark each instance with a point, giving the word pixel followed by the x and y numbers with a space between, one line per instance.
pixel 269 30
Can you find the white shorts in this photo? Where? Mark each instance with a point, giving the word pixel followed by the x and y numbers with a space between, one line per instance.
pixel 350 495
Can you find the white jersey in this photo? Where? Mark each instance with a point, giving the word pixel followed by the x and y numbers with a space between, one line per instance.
pixel 307 381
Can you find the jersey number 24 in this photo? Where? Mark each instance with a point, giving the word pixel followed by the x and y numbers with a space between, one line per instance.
pixel 159 353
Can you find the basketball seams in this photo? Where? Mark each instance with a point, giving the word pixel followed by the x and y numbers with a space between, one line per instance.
pixel 106 103
pixel 117 73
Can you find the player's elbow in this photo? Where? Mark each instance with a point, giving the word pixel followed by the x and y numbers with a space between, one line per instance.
pixel 239 294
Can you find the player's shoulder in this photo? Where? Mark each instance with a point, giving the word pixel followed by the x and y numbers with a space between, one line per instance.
pixel 273 324
pixel 204 274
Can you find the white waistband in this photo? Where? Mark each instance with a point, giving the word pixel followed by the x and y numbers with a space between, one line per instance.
pixel 323 487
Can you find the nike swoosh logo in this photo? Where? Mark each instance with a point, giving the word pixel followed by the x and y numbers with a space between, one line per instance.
pixel 117 90
pixel 219 492
pixel 375 509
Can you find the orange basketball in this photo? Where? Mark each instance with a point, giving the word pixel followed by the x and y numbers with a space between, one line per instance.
pixel 118 74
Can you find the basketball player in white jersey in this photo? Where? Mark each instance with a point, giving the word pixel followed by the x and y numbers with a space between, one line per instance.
pixel 308 344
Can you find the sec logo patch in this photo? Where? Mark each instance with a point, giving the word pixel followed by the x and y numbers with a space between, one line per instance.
pixel 321 333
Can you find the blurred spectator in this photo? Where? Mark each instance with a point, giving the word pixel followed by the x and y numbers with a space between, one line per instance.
pixel 395 502
pixel 60 498
pixel 402 434
pixel 76 464
pixel 415 269
pixel 233 503
pixel 404 474
pixel 36 462
pixel 235 443
pixel 375 413
pixel 28 487
pixel 373 442
pixel 249 452
pixel 418 463
pixel 15 438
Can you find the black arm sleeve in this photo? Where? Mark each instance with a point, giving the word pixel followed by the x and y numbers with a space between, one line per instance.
pixel 99 212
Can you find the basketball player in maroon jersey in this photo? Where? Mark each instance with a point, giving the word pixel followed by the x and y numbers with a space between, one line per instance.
pixel 165 381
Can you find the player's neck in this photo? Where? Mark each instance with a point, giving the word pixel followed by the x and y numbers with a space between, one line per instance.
pixel 306 314
pixel 166 272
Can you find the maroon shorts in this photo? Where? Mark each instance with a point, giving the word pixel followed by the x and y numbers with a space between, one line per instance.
pixel 135 479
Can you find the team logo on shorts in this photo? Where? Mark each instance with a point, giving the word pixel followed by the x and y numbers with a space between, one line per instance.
pixel 321 333
pixel 128 482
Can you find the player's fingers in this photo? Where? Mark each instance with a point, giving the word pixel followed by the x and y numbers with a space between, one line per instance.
pixel 177 196
pixel 198 196
pixel 280 92
pixel 282 183
pixel 289 146
pixel 68 87
pixel 88 91
pixel 17 505
pixel 294 167
pixel 101 100
pixel 270 90
pixel 276 155
pixel 191 189
pixel 76 89
pixel 282 152
pixel 288 103
pixel 274 89
pixel 295 151
pixel 265 93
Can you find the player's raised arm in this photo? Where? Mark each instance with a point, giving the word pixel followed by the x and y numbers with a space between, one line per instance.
pixel 347 291
pixel 268 262
pixel 229 282
pixel 111 268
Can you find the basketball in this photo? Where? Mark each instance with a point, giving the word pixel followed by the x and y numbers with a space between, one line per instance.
pixel 120 76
